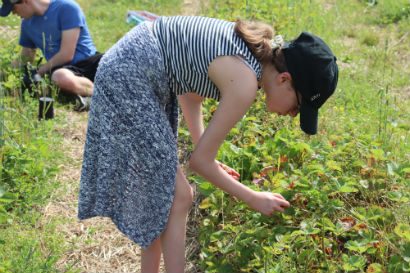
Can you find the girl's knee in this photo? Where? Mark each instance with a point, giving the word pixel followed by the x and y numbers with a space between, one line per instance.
pixel 184 196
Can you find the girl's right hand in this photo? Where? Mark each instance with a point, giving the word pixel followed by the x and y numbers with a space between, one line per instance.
pixel 267 203
pixel 230 171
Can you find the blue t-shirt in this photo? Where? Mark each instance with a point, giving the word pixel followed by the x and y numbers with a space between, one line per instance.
pixel 45 32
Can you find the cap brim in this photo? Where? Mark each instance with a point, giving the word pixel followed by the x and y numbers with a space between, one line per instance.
pixel 308 118
pixel 5 9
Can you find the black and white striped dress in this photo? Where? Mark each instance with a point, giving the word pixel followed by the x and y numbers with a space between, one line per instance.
pixel 130 155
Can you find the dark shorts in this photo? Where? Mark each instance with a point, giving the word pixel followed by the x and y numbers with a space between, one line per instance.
pixel 85 68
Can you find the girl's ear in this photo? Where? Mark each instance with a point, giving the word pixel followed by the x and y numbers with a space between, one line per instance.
pixel 284 77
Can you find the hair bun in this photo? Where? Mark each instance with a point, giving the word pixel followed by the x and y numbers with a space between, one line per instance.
pixel 277 42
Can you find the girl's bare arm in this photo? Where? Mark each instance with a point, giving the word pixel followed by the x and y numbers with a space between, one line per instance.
pixel 238 86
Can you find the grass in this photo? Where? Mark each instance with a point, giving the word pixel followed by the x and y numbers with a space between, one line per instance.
pixel 107 19
pixel 349 185
pixel 29 163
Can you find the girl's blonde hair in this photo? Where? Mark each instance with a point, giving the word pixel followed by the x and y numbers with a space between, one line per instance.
pixel 258 37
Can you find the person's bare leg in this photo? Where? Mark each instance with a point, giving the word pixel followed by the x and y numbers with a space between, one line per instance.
pixel 173 238
pixel 68 82
pixel 151 257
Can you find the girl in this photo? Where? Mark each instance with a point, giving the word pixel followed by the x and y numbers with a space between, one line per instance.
pixel 130 170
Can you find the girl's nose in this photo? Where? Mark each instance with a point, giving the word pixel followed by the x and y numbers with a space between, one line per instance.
pixel 293 113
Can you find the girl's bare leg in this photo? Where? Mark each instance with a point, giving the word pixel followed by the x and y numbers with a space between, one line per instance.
pixel 151 257
pixel 173 238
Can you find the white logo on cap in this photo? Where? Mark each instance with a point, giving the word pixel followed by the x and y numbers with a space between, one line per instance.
pixel 315 97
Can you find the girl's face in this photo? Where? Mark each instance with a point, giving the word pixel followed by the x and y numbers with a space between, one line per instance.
pixel 23 9
pixel 281 97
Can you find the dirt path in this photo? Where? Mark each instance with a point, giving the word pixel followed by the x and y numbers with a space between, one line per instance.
pixel 94 245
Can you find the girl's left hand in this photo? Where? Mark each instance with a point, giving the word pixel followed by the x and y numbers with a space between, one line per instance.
pixel 230 171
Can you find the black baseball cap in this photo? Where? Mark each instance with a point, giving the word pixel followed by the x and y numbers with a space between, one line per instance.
pixel 7 7
pixel 314 72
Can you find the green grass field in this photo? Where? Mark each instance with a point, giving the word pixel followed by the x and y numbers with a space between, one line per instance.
pixel 348 186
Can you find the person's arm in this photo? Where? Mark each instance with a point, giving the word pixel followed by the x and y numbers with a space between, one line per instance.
pixel 191 106
pixel 238 86
pixel 27 55
pixel 66 53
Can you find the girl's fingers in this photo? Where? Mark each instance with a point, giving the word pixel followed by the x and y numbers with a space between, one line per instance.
pixel 284 204
pixel 230 171
pixel 278 195
pixel 279 208
pixel 281 201
pixel 234 172
pixel 235 175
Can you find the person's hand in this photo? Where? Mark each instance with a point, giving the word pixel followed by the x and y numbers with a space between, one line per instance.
pixel 42 70
pixel 230 171
pixel 267 203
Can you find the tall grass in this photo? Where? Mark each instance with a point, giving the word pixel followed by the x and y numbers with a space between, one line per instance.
pixel 28 165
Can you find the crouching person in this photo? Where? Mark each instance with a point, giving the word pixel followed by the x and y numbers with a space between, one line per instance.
pixel 59 30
